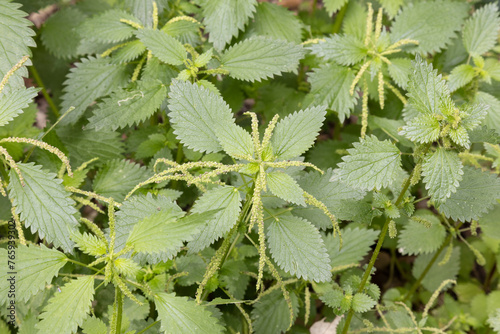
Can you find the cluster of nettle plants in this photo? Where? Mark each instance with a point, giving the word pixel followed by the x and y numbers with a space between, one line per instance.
pixel 175 181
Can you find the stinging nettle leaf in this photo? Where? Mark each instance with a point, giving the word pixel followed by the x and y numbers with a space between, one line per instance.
pixel 432 23
pixel 59 33
pixel 68 308
pixel 89 243
pixel 34 266
pixel 260 58
pixel 89 80
pixel 422 129
pixel 118 177
pixel 180 315
pixel 106 27
pixel 276 22
pixel 460 76
pixel 480 31
pixel 343 49
pixel 138 208
pixel 163 46
pixel 127 107
pixel 475 196
pixel 162 232
pixel 371 164
pixel 296 246
pixel 330 85
pixel 285 187
pixel 271 314
pixel 227 200
pixel 356 244
pixel 225 18
pixel 15 41
pixel 361 303
pixel 44 204
pixel 442 171
pixel 413 233
pixel 426 88
pixel 196 115
pixel 296 133
pixel 13 103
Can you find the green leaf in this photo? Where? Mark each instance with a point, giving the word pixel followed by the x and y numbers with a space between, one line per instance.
pixel 138 208
pixel 89 80
pixel 164 232
pixel 118 177
pixel 437 273
pixel 127 107
pixel 433 24
pixel 60 32
pixel 357 243
pixel 333 5
pixel 400 70
pixel 196 114
pixel 225 18
pixel 44 204
pixel 12 104
pixel 494 320
pixel 343 49
pixel 391 6
pixel 492 119
pixel 260 58
pixel 235 141
pixel 411 237
pixel 106 27
pixel 93 325
pixel 34 267
pixel 84 145
pixel 296 133
pixel 332 194
pixel 330 85
pixel 227 200
pixel 442 171
pixel 460 76
pixel 284 186
pixel 131 51
pixel 276 22
pixel 296 246
pixel 271 314
pixel 180 315
pixel 163 46
pixel 89 243
pixel 480 31
pixel 68 308
pixel 371 164
pixel 422 129
pixel 426 88
pixel 362 303
pixel 15 41
pixel 475 196
pixel 143 9
pixel 187 32
pixel 332 298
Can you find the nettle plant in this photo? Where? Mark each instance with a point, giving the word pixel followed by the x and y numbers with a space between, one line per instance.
pixel 233 166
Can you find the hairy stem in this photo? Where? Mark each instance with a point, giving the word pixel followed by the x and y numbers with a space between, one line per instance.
pixel 381 238
pixel 339 18
pixel 119 310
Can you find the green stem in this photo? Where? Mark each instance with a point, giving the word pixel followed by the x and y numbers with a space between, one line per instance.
pixel 426 270
pixel 119 310
pixel 46 95
pixel 383 233
pixel 145 329
pixel 339 18
pixel 241 219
